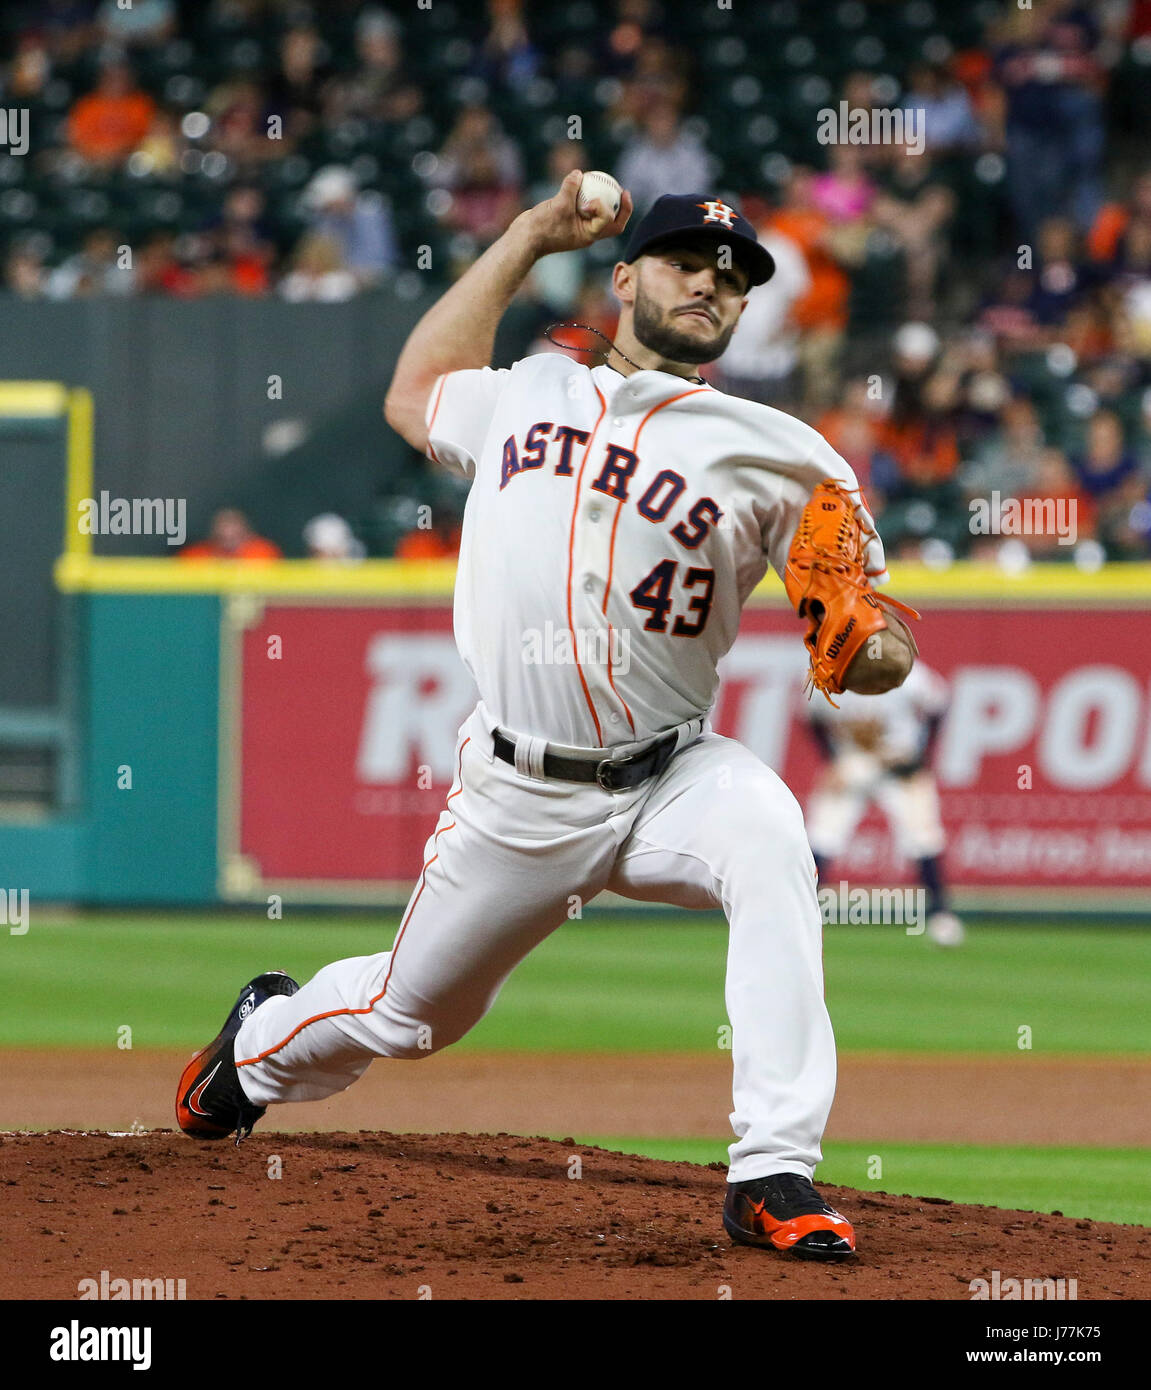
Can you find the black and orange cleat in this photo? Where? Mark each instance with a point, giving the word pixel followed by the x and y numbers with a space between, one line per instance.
pixel 786 1213
pixel 210 1103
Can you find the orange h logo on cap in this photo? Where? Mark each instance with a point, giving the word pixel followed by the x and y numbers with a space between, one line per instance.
pixel 717 211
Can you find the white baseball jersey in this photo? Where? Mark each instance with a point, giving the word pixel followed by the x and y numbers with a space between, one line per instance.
pixel 898 717
pixel 614 527
pixel 634 516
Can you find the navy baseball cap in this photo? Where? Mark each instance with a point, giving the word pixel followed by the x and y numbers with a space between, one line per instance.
pixel 678 216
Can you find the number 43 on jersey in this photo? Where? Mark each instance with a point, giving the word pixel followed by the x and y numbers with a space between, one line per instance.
pixel 654 593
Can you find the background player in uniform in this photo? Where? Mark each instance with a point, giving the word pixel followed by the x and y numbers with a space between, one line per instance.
pixel 632 508
pixel 878 749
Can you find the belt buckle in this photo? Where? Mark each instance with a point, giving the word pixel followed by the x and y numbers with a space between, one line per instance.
pixel 604 769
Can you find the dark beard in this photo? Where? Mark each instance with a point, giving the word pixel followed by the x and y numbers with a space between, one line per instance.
pixel 667 340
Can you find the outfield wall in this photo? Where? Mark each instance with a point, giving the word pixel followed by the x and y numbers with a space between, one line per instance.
pixel 289 729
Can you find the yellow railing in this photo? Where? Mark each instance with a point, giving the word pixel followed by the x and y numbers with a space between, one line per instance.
pixel 78 570
pixel 77 543
pixel 47 400
pixel 962 584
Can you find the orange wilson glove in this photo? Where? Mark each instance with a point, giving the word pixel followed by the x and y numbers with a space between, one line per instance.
pixel 826 584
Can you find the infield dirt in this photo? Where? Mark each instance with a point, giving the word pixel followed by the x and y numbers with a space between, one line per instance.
pixel 1017 1099
pixel 385 1216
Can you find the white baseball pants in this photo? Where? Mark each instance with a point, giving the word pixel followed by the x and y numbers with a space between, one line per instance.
pixel 845 790
pixel 717 828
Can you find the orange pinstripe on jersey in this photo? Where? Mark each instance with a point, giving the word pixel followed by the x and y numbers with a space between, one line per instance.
pixel 611 554
pixel 606 591
pixel 571 558
pixel 439 397
pixel 435 410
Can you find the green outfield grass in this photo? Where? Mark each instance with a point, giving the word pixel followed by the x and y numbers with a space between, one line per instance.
pixel 1101 1184
pixel 613 983
pixel 628 982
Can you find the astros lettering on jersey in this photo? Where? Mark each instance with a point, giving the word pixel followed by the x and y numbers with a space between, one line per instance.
pixel 642 505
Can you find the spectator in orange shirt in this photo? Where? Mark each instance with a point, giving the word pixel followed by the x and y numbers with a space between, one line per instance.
pixel 855 429
pixel 232 538
pixel 824 306
pixel 924 448
pixel 1056 482
pixel 1120 227
pixel 240 239
pixel 821 313
pixel 913 471
pixel 920 432
pixel 440 541
pixel 106 125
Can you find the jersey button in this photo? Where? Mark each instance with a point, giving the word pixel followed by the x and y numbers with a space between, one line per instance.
pixel 588 584
pixel 614 718
pixel 618 421
pixel 593 514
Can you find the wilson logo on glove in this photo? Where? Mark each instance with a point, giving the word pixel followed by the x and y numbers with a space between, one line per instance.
pixel 841 637
pixel 826 583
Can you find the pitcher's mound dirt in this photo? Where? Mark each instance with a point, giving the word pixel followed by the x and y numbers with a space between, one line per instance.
pixel 379 1216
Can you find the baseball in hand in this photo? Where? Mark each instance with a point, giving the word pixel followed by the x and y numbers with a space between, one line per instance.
pixel 600 188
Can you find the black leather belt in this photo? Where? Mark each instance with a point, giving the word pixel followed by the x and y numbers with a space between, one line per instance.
pixel 613 774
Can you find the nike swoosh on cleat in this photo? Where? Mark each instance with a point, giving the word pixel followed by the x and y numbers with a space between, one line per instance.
pixel 198 1091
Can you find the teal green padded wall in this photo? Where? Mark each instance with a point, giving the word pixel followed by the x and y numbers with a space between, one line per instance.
pixel 151 704
pixel 48 858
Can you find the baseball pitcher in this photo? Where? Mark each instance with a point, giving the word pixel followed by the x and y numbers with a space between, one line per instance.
pixel 633 508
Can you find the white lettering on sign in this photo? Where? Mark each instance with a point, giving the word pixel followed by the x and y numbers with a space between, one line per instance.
pixel 1089 734
pixel 421 695
pixel 1022 850
pixel 1050 853
pixel 1089 729
pixel 1087 725
pixel 994 709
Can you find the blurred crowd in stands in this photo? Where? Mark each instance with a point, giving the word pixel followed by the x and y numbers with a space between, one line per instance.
pixel 964 317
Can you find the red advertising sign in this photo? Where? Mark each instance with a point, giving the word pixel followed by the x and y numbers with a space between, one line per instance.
pixel 345 730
